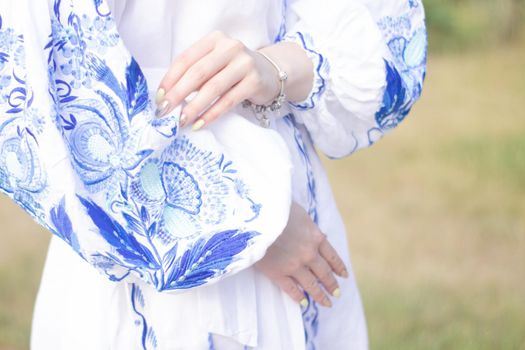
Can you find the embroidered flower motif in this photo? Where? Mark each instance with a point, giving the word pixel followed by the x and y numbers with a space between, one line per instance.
pixel 8 40
pixel 103 151
pixel 188 184
pixel 21 174
pixel 72 42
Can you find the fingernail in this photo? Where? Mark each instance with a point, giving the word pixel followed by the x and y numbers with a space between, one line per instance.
pixel 182 120
pixel 304 302
pixel 345 273
pixel 162 108
pixel 336 293
pixel 160 95
pixel 198 124
pixel 327 302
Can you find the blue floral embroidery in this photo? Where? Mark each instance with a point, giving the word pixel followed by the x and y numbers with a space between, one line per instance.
pixel 174 197
pixel 159 204
pixel 205 259
pixel 63 226
pixel 82 34
pixel 136 211
pixel 99 136
pixel 413 3
pixel 405 71
pixel 11 55
pixel 395 103
pixel 21 174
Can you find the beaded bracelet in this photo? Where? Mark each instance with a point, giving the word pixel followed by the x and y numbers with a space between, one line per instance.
pixel 261 111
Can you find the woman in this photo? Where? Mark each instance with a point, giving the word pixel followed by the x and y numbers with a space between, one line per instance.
pixel 353 70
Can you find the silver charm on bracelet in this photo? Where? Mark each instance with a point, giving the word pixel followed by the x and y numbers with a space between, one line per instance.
pixel 262 111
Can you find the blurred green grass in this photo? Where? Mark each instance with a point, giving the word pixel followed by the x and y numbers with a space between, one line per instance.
pixel 459 25
pixel 436 211
pixel 22 254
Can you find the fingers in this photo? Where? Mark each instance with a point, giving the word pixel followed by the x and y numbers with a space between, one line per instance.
pixel 289 286
pixel 330 255
pixel 308 282
pixel 192 80
pixel 185 60
pixel 226 102
pixel 195 67
pixel 221 84
pixel 325 275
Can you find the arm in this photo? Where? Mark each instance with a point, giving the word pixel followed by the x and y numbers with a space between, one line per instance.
pixel 225 72
pixel 369 61
pixel 369 65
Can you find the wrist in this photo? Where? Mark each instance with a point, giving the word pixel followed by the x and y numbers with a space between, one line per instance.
pixel 262 110
pixel 292 59
pixel 320 69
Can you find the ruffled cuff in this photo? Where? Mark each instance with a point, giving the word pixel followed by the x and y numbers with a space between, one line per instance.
pixel 321 69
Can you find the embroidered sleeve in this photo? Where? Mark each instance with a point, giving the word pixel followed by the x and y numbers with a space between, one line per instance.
pixel 369 65
pixel 83 154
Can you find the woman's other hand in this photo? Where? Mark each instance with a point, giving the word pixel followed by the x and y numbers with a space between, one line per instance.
pixel 302 260
pixel 225 73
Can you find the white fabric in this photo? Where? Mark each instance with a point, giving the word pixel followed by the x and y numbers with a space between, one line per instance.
pixel 86 311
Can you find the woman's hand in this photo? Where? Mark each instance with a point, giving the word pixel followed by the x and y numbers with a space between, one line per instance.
pixel 225 73
pixel 302 258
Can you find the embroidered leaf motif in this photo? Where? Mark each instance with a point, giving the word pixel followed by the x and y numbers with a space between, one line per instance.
pixel 206 258
pixel 69 124
pixel 137 90
pixel 134 95
pixel 103 73
pixel 63 226
pixel 134 224
pixel 123 241
pixel 393 109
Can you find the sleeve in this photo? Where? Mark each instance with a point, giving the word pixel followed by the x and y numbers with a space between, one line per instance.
pixel 369 66
pixel 134 196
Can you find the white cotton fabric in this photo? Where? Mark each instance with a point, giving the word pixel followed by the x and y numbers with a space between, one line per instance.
pixel 78 308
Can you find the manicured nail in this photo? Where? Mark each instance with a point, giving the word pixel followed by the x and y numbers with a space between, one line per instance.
pixel 304 302
pixel 182 120
pixel 327 302
pixel 198 124
pixel 336 293
pixel 160 95
pixel 345 273
pixel 162 108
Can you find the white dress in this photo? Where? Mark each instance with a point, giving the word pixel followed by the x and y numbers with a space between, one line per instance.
pixel 369 60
